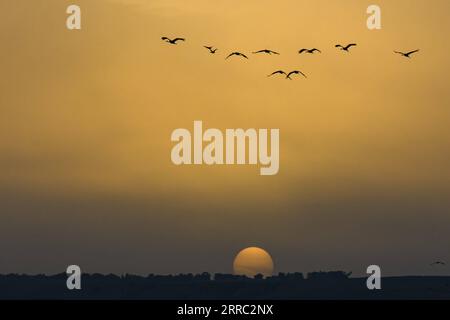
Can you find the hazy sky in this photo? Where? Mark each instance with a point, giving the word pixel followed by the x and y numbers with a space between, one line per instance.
pixel 86 118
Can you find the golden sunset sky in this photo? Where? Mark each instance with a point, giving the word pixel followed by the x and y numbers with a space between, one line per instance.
pixel 86 118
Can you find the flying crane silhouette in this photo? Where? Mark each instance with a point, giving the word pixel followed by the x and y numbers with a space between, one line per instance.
pixel 267 51
pixel 309 50
pixel 238 54
pixel 172 41
pixel 407 54
pixel 295 72
pixel 346 48
pixel 212 50
pixel 437 263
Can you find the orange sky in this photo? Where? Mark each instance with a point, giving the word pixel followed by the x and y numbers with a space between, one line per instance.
pixel 86 118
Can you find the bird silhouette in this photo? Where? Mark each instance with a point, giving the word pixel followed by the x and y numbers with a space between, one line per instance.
pixel 295 72
pixel 172 41
pixel 277 72
pixel 267 51
pixel 309 50
pixel 346 48
pixel 211 49
pixel 437 263
pixel 407 54
pixel 238 54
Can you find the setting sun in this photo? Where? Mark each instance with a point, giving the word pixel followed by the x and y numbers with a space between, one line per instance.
pixel 252 261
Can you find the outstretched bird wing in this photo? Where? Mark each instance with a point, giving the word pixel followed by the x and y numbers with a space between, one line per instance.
pixel 350 45
pixel 208 47
pixel 274 52
pixel 179 39
pixel 242 55
pixel 411 52
pixel 302 50
pixel 315 49
pixel 277 72
pixel 165 38
pixel 338 46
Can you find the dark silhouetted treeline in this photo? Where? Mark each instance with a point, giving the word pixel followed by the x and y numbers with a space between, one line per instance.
pixel 316 285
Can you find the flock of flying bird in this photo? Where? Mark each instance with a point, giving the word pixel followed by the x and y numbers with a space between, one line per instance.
pixel 288 75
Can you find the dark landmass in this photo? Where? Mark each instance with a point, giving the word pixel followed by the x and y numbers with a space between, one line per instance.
pixel 316 285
